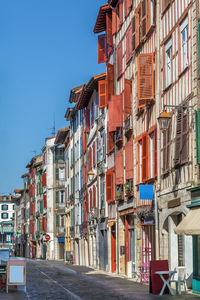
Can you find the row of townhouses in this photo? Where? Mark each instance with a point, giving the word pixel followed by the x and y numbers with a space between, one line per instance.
pixel 120 186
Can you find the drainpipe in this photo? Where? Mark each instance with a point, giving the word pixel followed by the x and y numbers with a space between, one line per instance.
pixel 158 93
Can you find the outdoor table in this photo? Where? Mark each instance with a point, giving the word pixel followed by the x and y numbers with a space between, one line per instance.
pixel 166 282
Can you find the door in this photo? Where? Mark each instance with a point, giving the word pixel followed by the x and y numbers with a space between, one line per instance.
pixel 113 250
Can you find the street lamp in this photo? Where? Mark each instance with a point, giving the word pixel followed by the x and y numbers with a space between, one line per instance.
pixel 91 174
pixel 164 120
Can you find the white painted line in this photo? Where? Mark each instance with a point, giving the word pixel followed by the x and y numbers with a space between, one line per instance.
pixel 75 297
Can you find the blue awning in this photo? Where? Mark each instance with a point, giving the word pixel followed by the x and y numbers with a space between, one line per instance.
pixel 61 240
pixel 146 191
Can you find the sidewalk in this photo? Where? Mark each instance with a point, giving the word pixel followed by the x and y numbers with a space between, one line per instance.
pixel 13 294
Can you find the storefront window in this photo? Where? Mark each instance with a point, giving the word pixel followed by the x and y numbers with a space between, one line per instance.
pixel 198 255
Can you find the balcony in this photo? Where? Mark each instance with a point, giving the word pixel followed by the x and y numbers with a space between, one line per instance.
pixel 128 125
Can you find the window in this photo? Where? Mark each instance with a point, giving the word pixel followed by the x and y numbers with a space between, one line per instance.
pixel 13 206
pixel 4 215
pixel 62 197
pixel 168 63
pixel 140 161
pixel 151 146
pixel 184 43
pixel 4 207
pixel 102 192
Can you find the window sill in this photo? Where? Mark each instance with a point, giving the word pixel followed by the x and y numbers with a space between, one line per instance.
pixel 183 72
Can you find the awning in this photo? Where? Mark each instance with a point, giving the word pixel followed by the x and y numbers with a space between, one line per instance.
pixel 190 225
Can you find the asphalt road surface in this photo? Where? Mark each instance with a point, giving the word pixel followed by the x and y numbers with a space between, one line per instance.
pixel 55 280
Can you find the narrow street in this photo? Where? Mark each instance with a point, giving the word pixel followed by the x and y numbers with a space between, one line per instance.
pixel 54 280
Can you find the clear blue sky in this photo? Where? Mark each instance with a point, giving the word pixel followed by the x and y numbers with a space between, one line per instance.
pixel 47 47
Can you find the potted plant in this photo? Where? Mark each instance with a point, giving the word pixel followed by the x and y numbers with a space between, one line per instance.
pixel 128 190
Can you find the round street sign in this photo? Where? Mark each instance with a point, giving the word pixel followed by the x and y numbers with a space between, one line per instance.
pixel 47 237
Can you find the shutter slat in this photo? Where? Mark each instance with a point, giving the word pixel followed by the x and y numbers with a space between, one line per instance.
pixel 102 93
pixel 145 78
pixel 109 186
pixel 110 81
pixel 127 96
pixel 101 48
pixel 133 33
pixel 109 29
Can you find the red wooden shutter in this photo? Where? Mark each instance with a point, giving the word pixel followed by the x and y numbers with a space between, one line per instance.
pixel 144 157
pixel 102 93
pixel 119 60
pixel 177 158
pixel 114 21
pixel 145 78
pixel 129 160
pixel 109 186
pixel 111 142
pixel 119 167
pixel 109 29
pixel 94 196
pixel 133 33
pixel 84 142
pixel 155 152
pixel 129 44
pixel 45 201
pixel 44 179
pixel 115 112
pixel 101 48
pixel 90 159
pixel 110 81
pixel 127 96
pixel 85 210
pixel 118 19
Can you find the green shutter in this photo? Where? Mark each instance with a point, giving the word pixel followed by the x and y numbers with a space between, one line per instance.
pixel 57 220
pixel 197 117
pixel 57 196
pixel 57 174
pixel 199 44
pixel 41 206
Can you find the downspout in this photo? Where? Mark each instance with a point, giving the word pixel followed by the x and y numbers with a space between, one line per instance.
pixel 158 103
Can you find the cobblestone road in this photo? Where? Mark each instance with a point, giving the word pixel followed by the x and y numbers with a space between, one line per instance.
pixel 55 280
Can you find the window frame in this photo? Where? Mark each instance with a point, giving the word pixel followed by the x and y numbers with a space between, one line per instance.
pixel 183 26
pixel 168 77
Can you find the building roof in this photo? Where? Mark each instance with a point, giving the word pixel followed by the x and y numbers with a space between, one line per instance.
pixel 61 135
pixel 74 94
pixel 88 89
pixel 100 24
